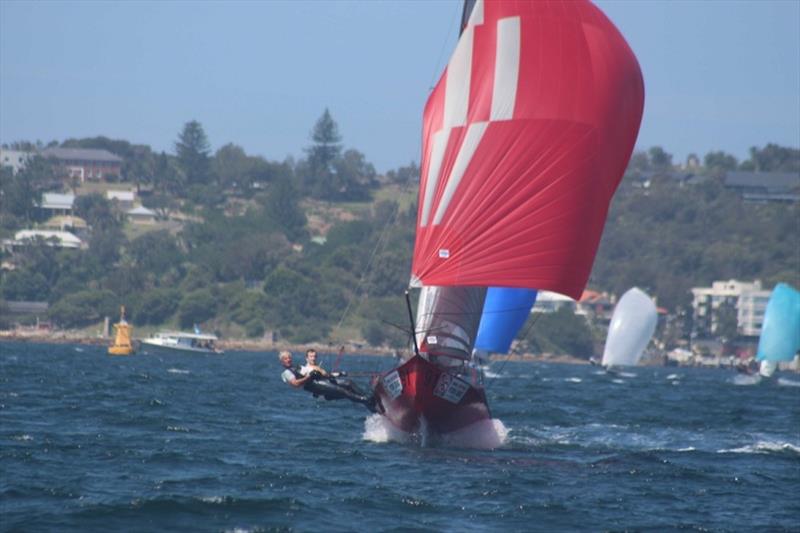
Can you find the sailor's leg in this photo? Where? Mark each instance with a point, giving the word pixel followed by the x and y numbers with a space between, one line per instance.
pixel 334 391
pixel 349 385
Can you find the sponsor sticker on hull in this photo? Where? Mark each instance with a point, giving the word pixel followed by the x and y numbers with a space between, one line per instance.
pixel 450 388
pixel 392 384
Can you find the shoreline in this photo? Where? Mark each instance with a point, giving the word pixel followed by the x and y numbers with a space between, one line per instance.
pixel 249 345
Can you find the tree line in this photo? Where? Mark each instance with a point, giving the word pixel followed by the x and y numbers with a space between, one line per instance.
pixel 254 268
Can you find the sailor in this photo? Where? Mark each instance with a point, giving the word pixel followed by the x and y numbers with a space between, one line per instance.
pixel 319 384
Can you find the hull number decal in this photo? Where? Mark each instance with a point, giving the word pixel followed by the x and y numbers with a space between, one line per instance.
pixel 393 385
pixel 451 388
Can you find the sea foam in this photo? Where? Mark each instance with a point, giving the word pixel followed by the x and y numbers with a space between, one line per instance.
pixel 483 435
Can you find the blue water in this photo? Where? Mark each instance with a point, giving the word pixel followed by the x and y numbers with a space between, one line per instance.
pixel 90 442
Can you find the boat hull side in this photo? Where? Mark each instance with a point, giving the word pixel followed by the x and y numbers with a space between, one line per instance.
pixel 161 348
pixel 418 389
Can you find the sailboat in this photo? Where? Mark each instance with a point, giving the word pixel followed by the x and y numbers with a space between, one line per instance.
pixel 632 326
pixel 122 337
pixel 780 332
pixel 525 139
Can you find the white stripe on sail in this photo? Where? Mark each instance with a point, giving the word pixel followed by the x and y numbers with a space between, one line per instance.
pixel 476 17
pixel 459 71
pixel 471 141
pixel 506 68
pixel 440 139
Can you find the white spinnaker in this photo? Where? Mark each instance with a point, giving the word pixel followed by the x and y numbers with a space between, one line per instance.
pixel 631 329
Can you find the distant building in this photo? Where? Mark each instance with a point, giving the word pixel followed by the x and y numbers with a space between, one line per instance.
pixel 14 159
pixel 550 302
pixel 748 299
pixel 85 164
pixel 598 305
pixel 73 224
pixel 58 239
pixel 765 186
pixel 57 203
pixel 141 215
pixel 122 199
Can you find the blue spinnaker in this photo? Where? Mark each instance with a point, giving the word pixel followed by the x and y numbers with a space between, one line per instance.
pixel 504 313
pixel 780 333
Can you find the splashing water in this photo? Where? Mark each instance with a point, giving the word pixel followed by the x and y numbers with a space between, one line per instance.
pixel 482 435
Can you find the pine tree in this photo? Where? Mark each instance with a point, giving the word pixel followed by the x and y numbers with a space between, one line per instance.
pixel 193 150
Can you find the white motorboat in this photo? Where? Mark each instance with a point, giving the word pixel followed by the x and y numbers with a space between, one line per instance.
pixel 178 341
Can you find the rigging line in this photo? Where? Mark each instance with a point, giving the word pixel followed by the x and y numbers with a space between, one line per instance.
pixel 508 356
pixel 437 66
pixel 367 274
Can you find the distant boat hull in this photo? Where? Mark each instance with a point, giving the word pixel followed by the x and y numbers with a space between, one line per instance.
pixel 176 349
pixel 419 392
pixel 174 342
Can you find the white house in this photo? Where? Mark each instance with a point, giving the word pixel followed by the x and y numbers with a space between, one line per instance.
pixel 60 204
pixel 59 239
pixel 550 302
pixel 141 215
pixel 124 199
pixel 14 159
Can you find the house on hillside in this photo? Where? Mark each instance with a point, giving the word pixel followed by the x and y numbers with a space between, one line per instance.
pixel 57 239
pixel 56 203
pixel 764 186
pixel 123 200
pixel 73 224
pixel 14 159
pixel 597 305
pixel 141 215
pixel 85 164
pixel 550 302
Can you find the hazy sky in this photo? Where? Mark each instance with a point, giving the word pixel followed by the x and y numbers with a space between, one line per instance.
pixel 718 74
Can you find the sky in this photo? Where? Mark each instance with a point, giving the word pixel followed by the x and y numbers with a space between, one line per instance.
pixel 719 75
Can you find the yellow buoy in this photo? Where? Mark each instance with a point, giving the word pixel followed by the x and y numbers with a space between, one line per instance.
pixel 122 337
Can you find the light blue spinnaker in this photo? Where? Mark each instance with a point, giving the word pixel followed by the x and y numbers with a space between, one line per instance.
pixel 504 313
pixel 780 333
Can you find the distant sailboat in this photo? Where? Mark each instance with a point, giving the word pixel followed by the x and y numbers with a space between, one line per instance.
pixel 780 332
pixel 632 326
pixel 525 139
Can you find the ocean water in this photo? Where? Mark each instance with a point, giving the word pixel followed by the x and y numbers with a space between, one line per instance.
pixel 90 442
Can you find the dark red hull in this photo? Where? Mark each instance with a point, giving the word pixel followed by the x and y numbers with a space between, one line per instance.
pixel 418 389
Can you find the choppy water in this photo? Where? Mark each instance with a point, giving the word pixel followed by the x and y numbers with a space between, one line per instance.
pixel 92 442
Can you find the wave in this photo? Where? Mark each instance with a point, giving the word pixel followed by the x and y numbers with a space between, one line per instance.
pixel 482 435
pixel 783 382
pixel 178 371
pixel 573 380
pixel 610 437
pixel 763 447
pixel 743 379
pixel 378 429
pixel 672 377
pixel 627 374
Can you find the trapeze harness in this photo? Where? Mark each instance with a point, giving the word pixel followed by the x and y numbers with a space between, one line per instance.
pixel 333 388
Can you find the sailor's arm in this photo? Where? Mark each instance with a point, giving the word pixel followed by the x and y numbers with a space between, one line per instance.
pixel 299 382
pixel 320 370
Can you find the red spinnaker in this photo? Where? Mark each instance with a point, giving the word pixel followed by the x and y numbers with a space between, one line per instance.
pixel 525 139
